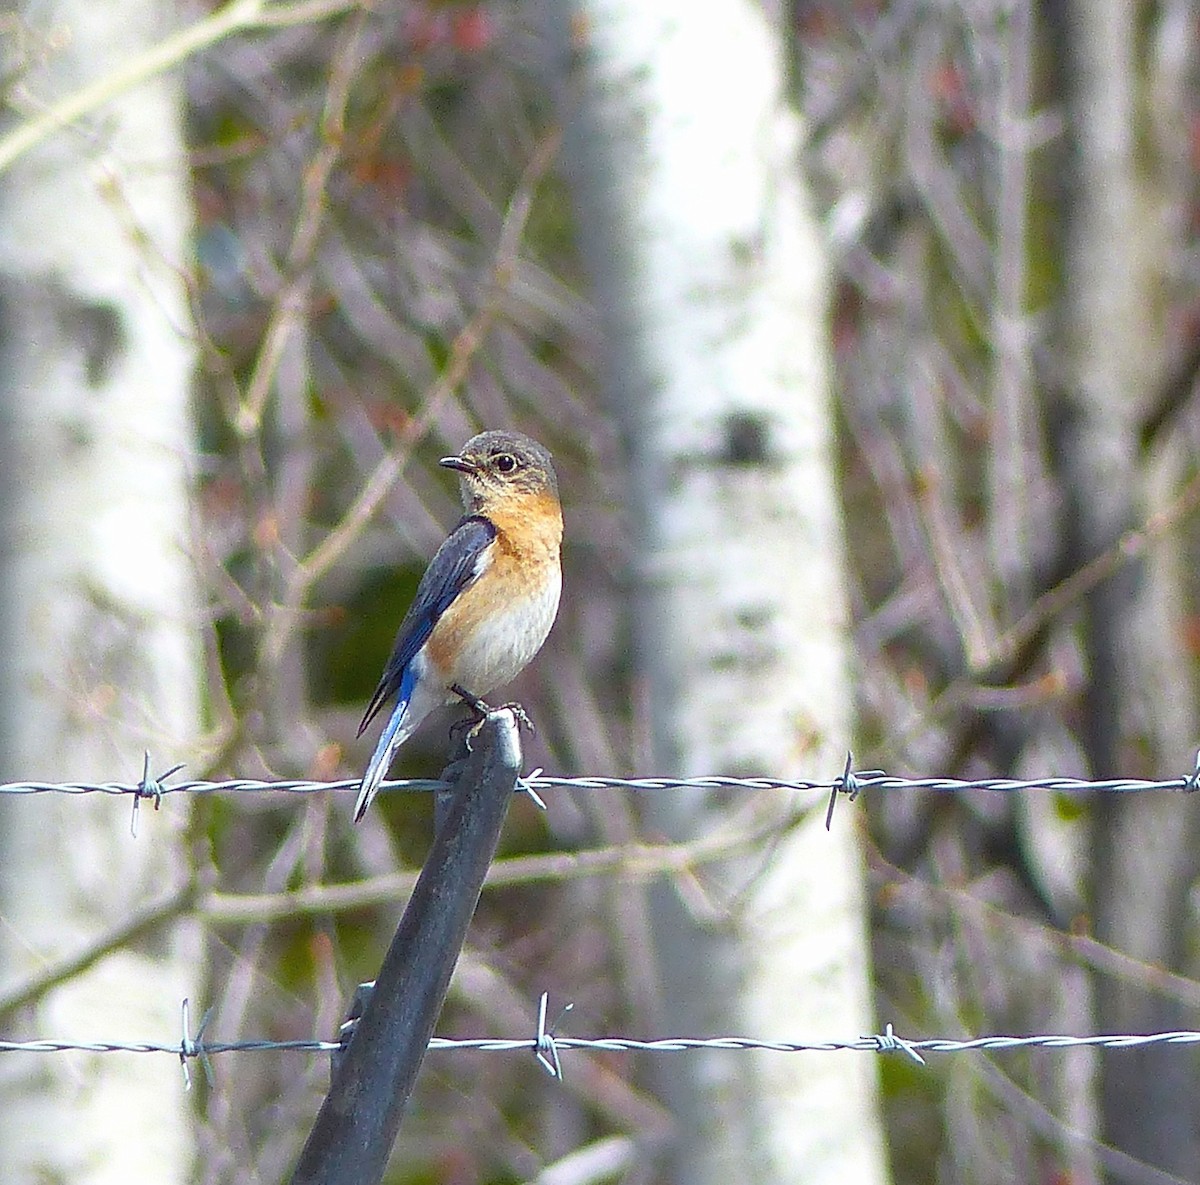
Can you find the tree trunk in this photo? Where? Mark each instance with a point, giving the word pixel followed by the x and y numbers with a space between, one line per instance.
pixel 101 656
pixel 709 274
pixel 1140 718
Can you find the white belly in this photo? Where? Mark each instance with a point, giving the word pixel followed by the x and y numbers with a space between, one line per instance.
pixel 502 645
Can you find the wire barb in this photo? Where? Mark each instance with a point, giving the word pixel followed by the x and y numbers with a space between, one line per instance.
pixel 193 1047
pixel 149 787
pixel 523 787
pixel 545 1047
pixel 1192 782
pixel 848 784
pixel 888 1042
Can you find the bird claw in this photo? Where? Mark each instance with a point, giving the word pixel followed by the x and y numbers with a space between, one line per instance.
pixel 477 705
pixel 522 717
pixel 482 710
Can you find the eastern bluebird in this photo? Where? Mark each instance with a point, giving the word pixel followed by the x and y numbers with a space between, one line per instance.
pixel 487 599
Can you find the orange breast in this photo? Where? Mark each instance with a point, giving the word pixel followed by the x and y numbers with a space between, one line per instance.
pixel 494 627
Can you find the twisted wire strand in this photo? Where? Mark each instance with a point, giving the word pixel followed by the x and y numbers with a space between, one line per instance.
pixel 851 783
pixel 878 1043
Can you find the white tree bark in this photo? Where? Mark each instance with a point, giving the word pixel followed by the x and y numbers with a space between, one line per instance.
pixel 709 272
pixel 101 631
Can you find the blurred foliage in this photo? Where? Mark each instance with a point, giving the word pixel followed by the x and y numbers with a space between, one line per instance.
pixel 943 156
pixel 352 183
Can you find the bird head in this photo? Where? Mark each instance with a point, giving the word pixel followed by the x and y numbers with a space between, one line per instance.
pixel 498 465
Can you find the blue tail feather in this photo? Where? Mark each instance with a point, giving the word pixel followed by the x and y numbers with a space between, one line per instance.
pixel 393 735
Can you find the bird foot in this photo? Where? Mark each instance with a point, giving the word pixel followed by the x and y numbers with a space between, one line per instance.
pixel 482 709
pixel 478 706
pixel 522 716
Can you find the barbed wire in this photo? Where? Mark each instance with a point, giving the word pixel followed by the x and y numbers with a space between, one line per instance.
pixel 547 1046
pixel 850 782
pixel 885 1042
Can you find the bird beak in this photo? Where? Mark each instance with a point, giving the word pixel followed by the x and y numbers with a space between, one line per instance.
pixel 459 463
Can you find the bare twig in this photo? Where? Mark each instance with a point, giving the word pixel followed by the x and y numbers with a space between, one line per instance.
pixel 236 17
pixel 465 346
pixel 293 300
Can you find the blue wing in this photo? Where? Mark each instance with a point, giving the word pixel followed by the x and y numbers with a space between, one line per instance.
pixel 454 566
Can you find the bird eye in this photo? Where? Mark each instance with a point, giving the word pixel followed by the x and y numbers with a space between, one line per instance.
pixel 506 462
